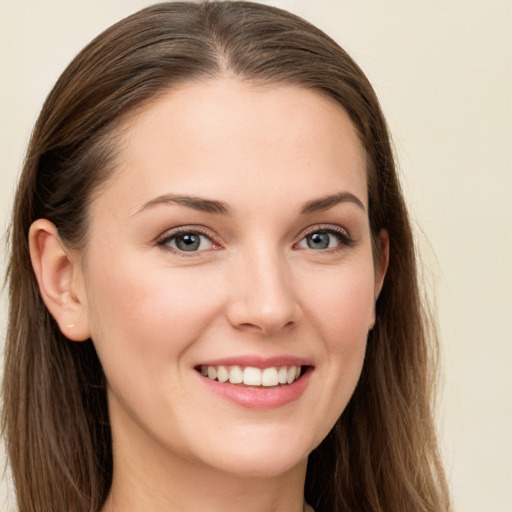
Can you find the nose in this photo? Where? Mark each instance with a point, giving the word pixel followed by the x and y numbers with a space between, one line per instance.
pixel 262 297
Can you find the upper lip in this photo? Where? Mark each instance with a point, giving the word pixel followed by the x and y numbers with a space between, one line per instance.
pixel 258 361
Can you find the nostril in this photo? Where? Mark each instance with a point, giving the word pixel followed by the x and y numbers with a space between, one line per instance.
pixel 248 327
pixel 265 327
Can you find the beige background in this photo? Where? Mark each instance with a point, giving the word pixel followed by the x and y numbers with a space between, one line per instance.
pixel 443 72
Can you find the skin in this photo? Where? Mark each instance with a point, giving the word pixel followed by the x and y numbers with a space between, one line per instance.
pixel 254 287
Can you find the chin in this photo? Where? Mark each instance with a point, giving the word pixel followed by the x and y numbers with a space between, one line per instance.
pixel 261 466
pixel 261 455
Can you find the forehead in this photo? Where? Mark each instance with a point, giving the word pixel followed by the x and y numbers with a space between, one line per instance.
pixel 228 139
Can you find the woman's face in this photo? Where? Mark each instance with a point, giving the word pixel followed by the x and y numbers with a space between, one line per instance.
pixel 233 242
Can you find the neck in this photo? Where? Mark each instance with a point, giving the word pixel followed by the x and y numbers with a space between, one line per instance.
pixel 191 489
pixel 152 479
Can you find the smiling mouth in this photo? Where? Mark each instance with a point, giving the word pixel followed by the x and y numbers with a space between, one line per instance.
pixel 252 376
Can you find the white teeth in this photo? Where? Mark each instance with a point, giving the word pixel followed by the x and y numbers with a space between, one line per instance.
pixel 269 377
pixel 251 376
pixel 236 375
pixel 281 374
pixel 222 374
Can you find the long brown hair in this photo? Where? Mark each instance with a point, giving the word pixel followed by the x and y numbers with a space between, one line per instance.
pixel 382 453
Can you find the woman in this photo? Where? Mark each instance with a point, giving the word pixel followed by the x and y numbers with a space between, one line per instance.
pixel 214 299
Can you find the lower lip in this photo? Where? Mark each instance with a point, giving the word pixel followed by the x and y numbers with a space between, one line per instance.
pixel 259 397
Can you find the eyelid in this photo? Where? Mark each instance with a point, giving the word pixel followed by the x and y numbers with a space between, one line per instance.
pixel 163 240
pixel 340 232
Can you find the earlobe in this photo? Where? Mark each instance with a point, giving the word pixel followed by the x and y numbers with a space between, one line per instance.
pixel 56 274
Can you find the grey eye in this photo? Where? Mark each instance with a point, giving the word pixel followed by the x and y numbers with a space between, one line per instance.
pixel 188 242
pixel 323 239
pixel 319 240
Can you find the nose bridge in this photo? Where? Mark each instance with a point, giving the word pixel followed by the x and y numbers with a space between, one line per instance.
pixel 263 295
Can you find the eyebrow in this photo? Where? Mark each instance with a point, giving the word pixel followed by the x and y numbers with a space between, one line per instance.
pixel 221 208
pixel 324 203
pixel 196 203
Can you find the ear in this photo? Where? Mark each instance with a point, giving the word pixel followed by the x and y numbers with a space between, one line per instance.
pixel 60 280
pixel 381 267
pixel 382 261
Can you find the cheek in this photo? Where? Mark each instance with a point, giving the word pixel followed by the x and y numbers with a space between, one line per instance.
pixel 143 323
pixel 146 314
pixel 342 304
pixel 343 314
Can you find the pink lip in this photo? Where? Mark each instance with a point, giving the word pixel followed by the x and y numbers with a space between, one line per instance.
pixel 258 397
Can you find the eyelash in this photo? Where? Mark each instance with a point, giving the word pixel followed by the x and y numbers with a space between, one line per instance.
pixel 169 237
pixel 339 233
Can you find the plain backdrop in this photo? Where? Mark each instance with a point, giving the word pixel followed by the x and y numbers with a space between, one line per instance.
pixel 442 70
